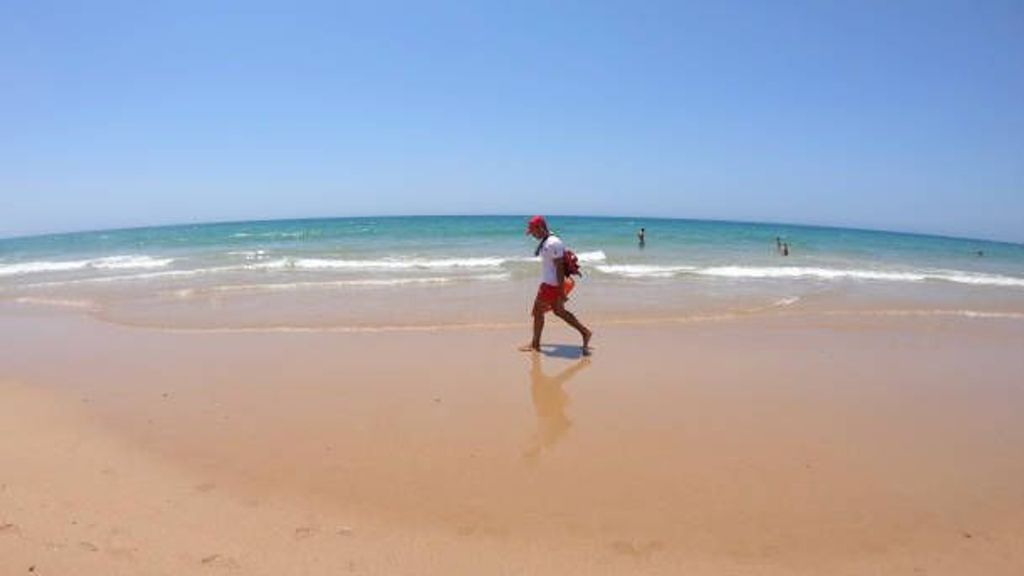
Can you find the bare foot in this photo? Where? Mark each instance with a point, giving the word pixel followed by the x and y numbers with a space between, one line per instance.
pixel 529 348
pixel 585 350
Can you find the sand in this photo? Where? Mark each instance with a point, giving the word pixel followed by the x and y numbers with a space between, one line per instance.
pixel 801 444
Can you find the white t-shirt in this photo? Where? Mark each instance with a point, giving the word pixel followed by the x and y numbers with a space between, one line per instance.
pixel 552 250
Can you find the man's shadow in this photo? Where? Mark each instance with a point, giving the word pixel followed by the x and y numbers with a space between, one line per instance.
pixel 550 399
pixel 561 351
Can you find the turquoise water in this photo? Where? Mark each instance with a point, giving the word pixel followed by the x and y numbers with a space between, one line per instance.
pixel 684 264
pixel 669 243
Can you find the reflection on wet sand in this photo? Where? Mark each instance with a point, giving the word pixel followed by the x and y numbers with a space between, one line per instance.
pixel 549 403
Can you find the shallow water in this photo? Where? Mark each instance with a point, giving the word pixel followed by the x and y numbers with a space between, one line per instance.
pixel 442 270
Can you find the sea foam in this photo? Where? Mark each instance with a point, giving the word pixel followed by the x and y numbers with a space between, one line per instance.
pixel 122 262
pixel 408 263
pixel 644 270
pixel 397 263
pixel 807 272
pixel 811 273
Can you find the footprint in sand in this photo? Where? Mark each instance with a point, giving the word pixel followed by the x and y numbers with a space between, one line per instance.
pixel 303 532
pixel 122 551
pixel 205 487
pixel 219 561
pixel 636 548
pixel 120 544
pixel 9 528
pixel 88 546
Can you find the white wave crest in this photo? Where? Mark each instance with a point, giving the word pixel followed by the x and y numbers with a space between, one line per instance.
pixel 974 314
pixel 591 257
pixel 260 260
pixel 983 279
pixel 130 262
pixel 34 267
pixel 383 264
pixel 814 273
pixel 644 270
pixel 583 257
pixel 792 272
pixel 124 262
pixel 804 272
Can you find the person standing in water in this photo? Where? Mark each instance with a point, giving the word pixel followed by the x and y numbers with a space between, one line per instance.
pixel 641 236
pixel 554 287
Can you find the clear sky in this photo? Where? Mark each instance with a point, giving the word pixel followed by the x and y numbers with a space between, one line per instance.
pixel 892 114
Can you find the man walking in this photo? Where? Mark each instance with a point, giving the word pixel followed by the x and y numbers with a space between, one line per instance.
pixel 555 285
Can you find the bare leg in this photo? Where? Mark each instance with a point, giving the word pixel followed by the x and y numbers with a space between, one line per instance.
pixel 571 320
pixel 538 328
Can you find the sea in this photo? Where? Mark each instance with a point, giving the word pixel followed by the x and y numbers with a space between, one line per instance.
pixel 434 272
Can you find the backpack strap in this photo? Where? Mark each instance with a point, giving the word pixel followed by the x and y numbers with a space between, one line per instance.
pixel 541 245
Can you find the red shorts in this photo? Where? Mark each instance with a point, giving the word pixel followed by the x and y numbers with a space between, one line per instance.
pixel 548 295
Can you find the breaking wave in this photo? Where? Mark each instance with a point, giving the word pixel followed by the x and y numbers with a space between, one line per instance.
pixel 122 262
pixel 812 273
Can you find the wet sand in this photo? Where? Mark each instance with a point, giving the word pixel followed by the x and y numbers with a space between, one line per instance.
pixel 772 445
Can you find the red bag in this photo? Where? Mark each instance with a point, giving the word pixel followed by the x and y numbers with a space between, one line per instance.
pixel 572 263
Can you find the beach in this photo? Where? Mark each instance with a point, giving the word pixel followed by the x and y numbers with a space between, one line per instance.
pixel 783 443
pixel 347 395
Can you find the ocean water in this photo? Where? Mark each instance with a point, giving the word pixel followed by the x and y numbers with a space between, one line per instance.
pixel 399 271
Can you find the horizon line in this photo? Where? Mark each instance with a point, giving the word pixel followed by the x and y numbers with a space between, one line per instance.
pixel 511 215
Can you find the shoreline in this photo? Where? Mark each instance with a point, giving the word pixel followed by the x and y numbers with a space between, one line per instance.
pixel 506 309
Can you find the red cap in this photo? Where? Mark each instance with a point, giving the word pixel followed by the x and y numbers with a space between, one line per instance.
pixel 536 223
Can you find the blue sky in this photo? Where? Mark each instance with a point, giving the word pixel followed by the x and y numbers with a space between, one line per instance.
pixel 894 115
